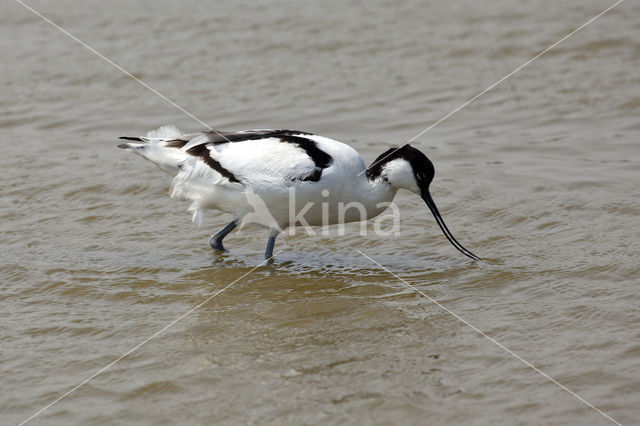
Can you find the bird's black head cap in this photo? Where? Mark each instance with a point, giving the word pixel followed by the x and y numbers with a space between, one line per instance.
pixel 423 169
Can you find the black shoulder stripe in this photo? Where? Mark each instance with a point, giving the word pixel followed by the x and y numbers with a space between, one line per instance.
pixel 313 177
pixel 176 143
pixel 202 152
pixel 219 137
pixel 130 138
pixel 321 159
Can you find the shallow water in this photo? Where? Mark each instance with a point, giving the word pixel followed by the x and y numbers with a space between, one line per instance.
pixel 540 176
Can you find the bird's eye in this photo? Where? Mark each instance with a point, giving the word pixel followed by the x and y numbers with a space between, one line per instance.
pixel 385 179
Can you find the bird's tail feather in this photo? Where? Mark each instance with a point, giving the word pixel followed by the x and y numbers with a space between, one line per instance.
pixel 163 133
pixel 167 132
pixel 132 146
pixel 159 146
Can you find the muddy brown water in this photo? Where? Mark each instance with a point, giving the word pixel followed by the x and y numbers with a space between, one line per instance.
pixel 540 176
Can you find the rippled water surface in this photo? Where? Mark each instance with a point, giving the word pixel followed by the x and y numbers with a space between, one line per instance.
pixel 540 176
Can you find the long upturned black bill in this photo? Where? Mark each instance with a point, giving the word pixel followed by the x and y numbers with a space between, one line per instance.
pixel 426 196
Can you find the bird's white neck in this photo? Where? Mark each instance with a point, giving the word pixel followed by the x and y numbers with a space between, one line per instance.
pixel 340 202
pixel 374 195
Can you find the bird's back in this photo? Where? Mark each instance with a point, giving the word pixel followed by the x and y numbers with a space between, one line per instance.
pixel 218 169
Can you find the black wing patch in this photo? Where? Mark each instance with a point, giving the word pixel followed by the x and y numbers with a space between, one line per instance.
pixel 217 137
pixel 321 159
pixel 202 152
pixel 176 143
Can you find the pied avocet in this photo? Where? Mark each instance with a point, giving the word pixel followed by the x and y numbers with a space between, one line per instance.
pixel 229 171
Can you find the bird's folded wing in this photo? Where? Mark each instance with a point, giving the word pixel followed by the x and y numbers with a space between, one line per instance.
pixel 254 163
pixel 256 157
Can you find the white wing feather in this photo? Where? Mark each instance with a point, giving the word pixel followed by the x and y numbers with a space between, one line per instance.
pixel 260 165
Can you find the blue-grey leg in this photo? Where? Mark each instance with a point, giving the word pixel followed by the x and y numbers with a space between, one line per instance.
pixel 216 240
pixel 269 253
